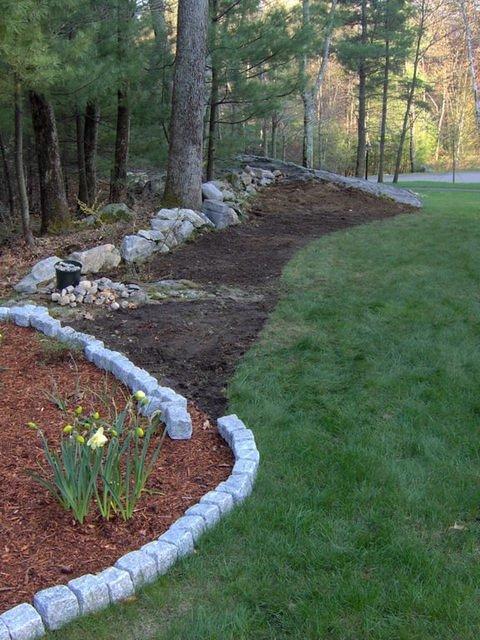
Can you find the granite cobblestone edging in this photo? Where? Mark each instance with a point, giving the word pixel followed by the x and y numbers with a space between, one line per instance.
pixel 56 606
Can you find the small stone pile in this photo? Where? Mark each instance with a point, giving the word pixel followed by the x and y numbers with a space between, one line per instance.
pixel 103 292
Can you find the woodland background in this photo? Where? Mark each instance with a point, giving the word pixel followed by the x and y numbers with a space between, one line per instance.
pixel 353 86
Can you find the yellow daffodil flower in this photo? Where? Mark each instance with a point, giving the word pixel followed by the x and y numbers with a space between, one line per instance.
pixel 67 429
pixel 80 439
pixel 98 439
pixel 139 395
pixel 140 432
pixel 79 411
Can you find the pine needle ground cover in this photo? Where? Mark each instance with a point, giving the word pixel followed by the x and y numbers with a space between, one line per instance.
pixel 364 396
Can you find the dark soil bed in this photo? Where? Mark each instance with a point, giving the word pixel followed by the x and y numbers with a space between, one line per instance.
pixel 40 544
pixel 195 346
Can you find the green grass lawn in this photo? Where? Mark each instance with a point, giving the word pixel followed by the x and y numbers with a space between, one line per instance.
pixel 364 394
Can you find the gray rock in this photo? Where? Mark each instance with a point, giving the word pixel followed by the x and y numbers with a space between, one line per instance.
pixel 240 438
pixel 184 231
pixel 141 380
pixel 178 421
pixel 197 218
pixel 248 467
pixel 57 605
pixel 28 284
pixel 209 512
pixel 21 316
pixel 220 214
pixel 41 272
pixel 119 584
pixel 4 635
pixel 97 259
pixel 4 314
pixel 228 425
pixel 247 451
pixel 224 501
pixel 167 396
pixel 137 249
pixel 194 524
pixel 211 192
pixel 238 486
pixel 152 235
pixel 164 553
pixel 140 566
pixel 23 622
pixel 47 325
pixel 91 592
pixel 116 211
pixel 182 539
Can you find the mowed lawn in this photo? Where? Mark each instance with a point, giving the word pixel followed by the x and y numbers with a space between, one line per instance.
pixel 364 395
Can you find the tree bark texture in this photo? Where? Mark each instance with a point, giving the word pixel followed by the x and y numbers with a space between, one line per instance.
pixel 118 183
pixel 82 174
pixel 8 179
pixel 54 206
pixel 90 142
pixel 184 173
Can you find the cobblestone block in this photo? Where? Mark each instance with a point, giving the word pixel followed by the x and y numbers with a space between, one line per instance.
pixel 23 622
pixel 119 584
pixel 165 554
pixel 57 606
pixel 181 538
pixel 141 567
pixel 91 592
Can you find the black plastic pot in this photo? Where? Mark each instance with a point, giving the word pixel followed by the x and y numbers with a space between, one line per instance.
pixel 68 278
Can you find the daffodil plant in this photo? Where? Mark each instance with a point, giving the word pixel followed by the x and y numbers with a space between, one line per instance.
pixel 102 462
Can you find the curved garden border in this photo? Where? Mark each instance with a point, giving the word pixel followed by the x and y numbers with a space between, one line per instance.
pixel 56 606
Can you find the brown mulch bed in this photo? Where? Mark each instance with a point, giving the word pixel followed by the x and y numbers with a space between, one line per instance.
pixel 40 544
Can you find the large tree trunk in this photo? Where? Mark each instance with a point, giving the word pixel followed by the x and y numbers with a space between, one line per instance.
pixel 184 174
pixel 8 179
pixel 55 213
pixel 82 173
pixel 118 183
pixel 383 125
pixel 90 141
pixel 212 123
pixel 160 29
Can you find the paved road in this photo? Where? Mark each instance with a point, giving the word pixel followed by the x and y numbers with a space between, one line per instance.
pixel 461 177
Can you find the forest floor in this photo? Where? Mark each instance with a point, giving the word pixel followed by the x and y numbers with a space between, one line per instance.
pixel 195 346
pixel 363 395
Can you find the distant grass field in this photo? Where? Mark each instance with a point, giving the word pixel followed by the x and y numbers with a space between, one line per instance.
pixel 364 394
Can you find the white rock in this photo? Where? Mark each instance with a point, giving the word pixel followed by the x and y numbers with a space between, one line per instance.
pixel 137 249
pixel 97 259
pixel 211 192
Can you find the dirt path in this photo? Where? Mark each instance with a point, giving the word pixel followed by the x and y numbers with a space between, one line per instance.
pixel 194 346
